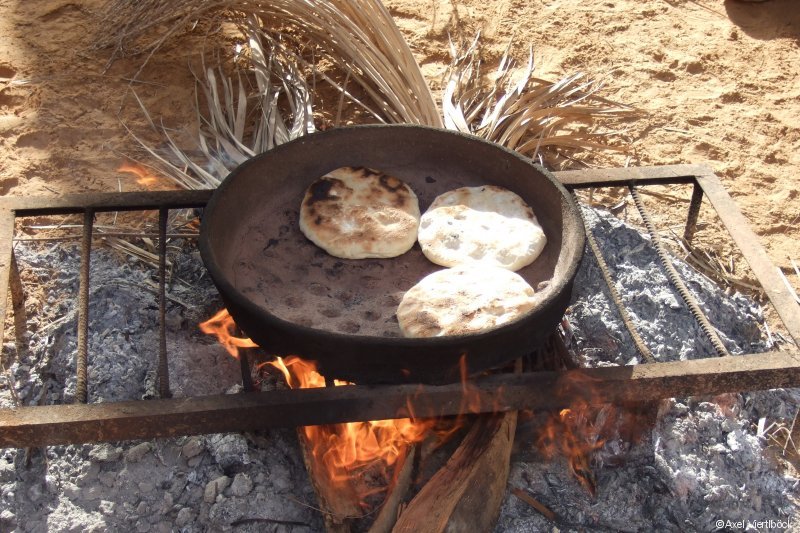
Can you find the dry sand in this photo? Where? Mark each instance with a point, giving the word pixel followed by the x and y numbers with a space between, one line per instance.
pixel 720 81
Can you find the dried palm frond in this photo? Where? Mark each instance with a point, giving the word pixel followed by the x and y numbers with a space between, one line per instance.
pixel 525 113
pixel 358 36
pixel 360 40
pixel 240 120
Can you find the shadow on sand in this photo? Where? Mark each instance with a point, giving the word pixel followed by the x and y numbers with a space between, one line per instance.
pixel 768 20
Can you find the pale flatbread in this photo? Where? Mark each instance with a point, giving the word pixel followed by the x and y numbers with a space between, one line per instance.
pixel 486 225
pixel 355 213
pixel 456 301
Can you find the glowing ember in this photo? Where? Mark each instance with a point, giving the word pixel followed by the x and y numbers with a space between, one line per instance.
pixel 143 176
pixel 583 429
pixel 342 449
pixel 571 434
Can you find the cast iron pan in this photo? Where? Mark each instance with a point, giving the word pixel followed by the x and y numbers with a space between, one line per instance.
pixel 291 297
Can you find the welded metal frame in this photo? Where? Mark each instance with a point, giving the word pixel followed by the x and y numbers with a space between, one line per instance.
pixel 166 417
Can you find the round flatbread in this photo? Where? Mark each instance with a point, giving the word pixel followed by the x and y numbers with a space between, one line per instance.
pixel 356 213
pixel 456 301
pixel 486 225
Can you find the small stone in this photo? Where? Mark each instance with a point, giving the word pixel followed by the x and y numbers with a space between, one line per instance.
pixel 7 472
pixel 695 67
pixel 229 450
pixel 142 509
pixel 51 482
pixel 169 455
pixel 105 453
pixel 146 486
pixel 192 448
pixel 194 461
pixel 734 440
pixel 136 453
pixel 106 507
pixel 728 425
pixel 88 474
pixel 185 516
pixel 680 409
pixel 718 448
pixel 162 527
pixel 8 519
pixel 108 479
pixel 166 503
pixel 242 485
pixel 142 526
pixel 214 488
pixel 71 491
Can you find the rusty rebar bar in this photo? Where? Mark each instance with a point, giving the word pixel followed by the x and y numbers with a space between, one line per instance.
pixel 675 278
pixel 163 365
pixel 113 421
pixel 605 271
pixel 81 393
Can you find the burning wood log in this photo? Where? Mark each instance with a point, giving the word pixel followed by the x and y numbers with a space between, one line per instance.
pixel 338 501
pixel 402 481
pixel 466 494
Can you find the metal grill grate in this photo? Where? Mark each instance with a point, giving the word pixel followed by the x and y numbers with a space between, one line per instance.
pixel 167 417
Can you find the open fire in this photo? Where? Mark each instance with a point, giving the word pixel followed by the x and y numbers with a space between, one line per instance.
pixel 143 176
pixel 345 450
pixel 342 449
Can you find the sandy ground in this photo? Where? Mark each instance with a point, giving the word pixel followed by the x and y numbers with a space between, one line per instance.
pixel 719 81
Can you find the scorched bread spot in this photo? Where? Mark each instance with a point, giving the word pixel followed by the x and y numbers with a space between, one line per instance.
pixel 359 213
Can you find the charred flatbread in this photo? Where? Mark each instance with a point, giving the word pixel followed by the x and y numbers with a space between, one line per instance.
pixel 357 213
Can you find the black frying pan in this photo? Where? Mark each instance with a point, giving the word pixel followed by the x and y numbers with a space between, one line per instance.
pixel 291 297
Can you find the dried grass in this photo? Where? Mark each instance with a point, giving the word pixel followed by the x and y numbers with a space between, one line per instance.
pixel 242 115
pixel 780 435
pixel 267 100
pixel 526 113
pixel 358 36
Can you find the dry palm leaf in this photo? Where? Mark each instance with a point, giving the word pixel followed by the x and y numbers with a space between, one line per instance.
pixel 358 36
pixel 241 119
pixel 526 114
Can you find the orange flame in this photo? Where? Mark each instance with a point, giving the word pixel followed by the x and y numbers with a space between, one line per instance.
pixel 346 448
pixel 143 176
pixel 573 432
pixel 583 429
pixel 342 449
pixel 570 434
pixel 223 326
